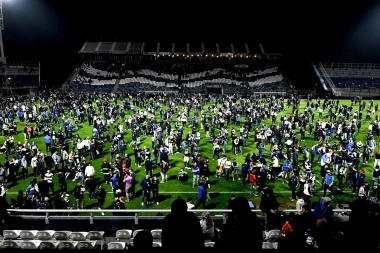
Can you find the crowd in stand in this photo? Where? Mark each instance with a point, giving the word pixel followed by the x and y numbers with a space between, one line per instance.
pixel 339 155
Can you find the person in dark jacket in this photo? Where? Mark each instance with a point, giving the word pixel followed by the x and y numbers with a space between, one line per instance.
pixel 4 214
pixel 269 206
pixel 143 183
pixel 119 205
pixel 360 220
pixel 43 187
pixel 62 182
pixel 293 184
pixel 241 220
pixel 154 188
pixel 101 196
pixel 180 224
pixel 79 195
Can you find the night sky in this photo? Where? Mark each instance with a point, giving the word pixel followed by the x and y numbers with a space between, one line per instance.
pixel 53 31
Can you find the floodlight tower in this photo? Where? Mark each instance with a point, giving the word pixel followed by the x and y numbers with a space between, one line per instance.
pixel 2 56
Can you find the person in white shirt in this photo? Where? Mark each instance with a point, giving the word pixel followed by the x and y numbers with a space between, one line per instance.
pixel 227 168
pixel 362 194
pixel 307 192
pixel 220 162
pixel 56 159
pixel 299 204
pixel 33 163
pixel 2 190
pixel 189 203
pixel 49 178
pixel 89 170
pixel 65 158
pixel 275 161
pixel 24 166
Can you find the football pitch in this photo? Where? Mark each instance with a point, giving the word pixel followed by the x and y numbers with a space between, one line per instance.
pixel 220 190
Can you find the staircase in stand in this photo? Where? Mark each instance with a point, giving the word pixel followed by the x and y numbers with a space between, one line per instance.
pixel 116 85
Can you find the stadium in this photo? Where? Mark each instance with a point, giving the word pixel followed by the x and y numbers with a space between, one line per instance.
pixel 139 128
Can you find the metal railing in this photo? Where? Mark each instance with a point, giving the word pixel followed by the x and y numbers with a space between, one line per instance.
pixel 335 91
pixel 136 212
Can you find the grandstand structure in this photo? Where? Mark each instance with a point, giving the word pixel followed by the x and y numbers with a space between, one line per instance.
pixel 178 67
pixel 19 77
pixel 349 79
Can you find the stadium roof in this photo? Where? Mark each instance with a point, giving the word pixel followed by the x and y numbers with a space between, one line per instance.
pixel 167 48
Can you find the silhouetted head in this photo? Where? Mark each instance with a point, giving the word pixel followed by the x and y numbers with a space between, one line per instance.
pixel 143 239
pixel 240 206
pixel 179 206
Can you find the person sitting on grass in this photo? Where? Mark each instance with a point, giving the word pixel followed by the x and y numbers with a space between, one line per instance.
pixel 182 176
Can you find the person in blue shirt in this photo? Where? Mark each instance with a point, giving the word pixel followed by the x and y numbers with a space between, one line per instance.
pixel 361 179
pixel 328 184
pixel 201 196
pixel 244 172
pixel 143 184
pixel 20 115
pixel 114 182
pixel 31 190
pixel 47 140
pixel 287 167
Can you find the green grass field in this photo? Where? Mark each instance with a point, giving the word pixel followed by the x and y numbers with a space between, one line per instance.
pixel 220 190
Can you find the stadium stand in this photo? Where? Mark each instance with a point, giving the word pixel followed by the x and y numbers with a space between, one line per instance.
pixel 193 76
pixel 349 79
pixel 216 68
pixel 22 77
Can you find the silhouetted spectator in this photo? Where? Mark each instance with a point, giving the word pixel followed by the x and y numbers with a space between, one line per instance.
pixel 269 206
pixel 4 215
pixel 243 228
pixel 143 240
pixel 323 236
pixel 180 224
pixel 360 220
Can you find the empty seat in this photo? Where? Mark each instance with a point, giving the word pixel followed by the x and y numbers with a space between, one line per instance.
pixel 267 245
pixel 116 246
pixel 11 244
pixel 209 244
pixel 273 235
pixel 97 236
pixel 29 244
pixel 62 235
pixel 124 235
pixel 156 234
pixel 83 245
pixel 156 244
pixel 68 244
pixel 49 244
pixel 11 234
pixel 45 235
pixel 28 234
pixel 78 236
